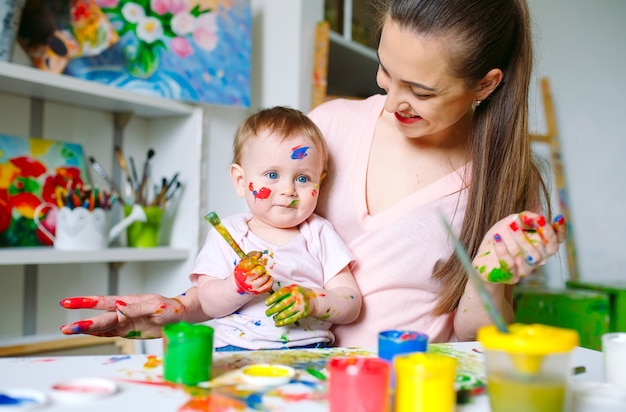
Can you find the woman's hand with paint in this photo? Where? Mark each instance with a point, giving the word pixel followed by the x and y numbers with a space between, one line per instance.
pixel 515 245
pixel 252 276
pixel 290 304
pixel 131 316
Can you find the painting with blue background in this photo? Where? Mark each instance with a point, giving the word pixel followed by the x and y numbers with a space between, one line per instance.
pixel 212 69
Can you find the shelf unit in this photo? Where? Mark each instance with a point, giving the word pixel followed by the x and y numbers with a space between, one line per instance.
pixel 71 109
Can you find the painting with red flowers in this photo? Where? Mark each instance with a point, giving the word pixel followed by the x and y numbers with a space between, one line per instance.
pixel 30 170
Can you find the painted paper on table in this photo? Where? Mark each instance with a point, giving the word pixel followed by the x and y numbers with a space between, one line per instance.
pixel 30 170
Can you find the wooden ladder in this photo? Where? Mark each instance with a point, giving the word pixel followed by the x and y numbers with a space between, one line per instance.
pixel 552 139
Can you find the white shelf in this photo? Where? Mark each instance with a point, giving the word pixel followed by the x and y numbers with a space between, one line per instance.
pixel 31 82
pixel 48 255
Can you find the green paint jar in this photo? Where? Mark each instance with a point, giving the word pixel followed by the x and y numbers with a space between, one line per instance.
pixel 187 353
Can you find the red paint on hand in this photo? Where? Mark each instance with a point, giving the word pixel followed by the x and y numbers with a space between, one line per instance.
pixel 78 303
pixel 81 326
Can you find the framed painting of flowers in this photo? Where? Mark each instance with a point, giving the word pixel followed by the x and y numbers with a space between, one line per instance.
pixel 198 51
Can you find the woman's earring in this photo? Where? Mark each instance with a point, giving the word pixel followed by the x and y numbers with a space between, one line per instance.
pixel 477 102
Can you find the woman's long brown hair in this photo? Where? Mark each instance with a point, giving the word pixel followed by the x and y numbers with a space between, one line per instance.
pixel 481 35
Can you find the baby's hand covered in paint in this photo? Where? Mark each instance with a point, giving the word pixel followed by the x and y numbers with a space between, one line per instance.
pixel 289 304
pixel 132 316
pixel 515 245
pixel 251 275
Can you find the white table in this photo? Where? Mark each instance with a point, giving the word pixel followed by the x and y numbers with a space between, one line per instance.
pixel 140 386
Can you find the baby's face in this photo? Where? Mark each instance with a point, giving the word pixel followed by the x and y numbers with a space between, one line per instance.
pixel 282 179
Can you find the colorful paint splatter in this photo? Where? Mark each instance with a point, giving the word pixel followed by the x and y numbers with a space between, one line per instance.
pixel 262 193
pixel 299 152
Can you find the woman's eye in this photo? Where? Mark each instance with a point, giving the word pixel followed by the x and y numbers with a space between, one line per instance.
pixel 272 175
pixel 302 179
pixel 422 96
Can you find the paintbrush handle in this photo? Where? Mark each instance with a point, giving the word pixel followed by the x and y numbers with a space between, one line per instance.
pixel 103 174
pixel 213 219
pixel 483 293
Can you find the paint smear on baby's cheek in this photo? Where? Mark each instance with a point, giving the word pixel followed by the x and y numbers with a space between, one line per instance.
pixel 262 193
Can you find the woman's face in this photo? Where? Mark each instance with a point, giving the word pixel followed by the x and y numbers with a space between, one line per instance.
pixel 421 94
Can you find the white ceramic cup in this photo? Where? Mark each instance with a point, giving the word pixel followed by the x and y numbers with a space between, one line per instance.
pixel 614 349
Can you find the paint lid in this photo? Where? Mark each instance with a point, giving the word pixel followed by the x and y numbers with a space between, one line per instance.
pixel 83 389
pixel 397 342
pixel 532 339
pixel 267 374
pixel 21 398
pixel 425 364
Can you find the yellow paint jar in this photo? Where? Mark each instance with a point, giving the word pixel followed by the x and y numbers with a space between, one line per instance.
pixel 425 382
pixel 527 368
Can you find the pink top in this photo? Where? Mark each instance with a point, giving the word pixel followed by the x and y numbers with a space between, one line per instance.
pixel 397 250
pixel 311 259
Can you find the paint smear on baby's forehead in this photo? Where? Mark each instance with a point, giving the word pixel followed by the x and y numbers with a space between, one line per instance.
pixel 299 152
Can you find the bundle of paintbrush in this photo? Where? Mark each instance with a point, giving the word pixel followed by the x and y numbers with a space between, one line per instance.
pixel 84 196
pixel 139 188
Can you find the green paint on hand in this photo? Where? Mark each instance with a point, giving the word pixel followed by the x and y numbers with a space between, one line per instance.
pixel 133 334
pixel 501 274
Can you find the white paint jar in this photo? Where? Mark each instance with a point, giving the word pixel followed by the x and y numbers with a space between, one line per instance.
pixel 614 350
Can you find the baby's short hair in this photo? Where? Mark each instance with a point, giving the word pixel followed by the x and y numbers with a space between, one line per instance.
pixel 282 121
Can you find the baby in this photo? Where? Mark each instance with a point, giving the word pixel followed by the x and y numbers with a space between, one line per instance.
pixel 296 281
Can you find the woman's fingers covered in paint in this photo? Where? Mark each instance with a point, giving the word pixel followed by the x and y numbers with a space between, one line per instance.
pixel 515 245
pixel 560 227
pixel 289 304
pixel 90 302
pixel 251 276
pixel 494 261
pixel 133 317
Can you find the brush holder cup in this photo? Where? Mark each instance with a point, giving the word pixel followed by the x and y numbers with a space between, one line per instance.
pixel 144 234
pixel 528 369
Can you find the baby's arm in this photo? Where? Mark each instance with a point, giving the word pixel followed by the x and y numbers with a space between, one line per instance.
pixel 339 302
pixel 221 297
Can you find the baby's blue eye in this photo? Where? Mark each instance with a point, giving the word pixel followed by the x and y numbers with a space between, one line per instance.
pixel 272 175
pixel 302 179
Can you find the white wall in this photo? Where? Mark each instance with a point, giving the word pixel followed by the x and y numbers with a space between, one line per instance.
pixel 581 48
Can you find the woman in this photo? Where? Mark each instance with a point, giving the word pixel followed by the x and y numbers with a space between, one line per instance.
pixel 449 138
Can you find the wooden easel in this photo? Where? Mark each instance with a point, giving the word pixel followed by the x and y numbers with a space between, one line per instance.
pixel 552 139
pixel 320 63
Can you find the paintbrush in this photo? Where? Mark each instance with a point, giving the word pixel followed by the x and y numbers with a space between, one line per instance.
pixel 134 179
pixel 483 294
pixel 103 174
pixel 122 161
pixel 144 177
pixel 214 219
